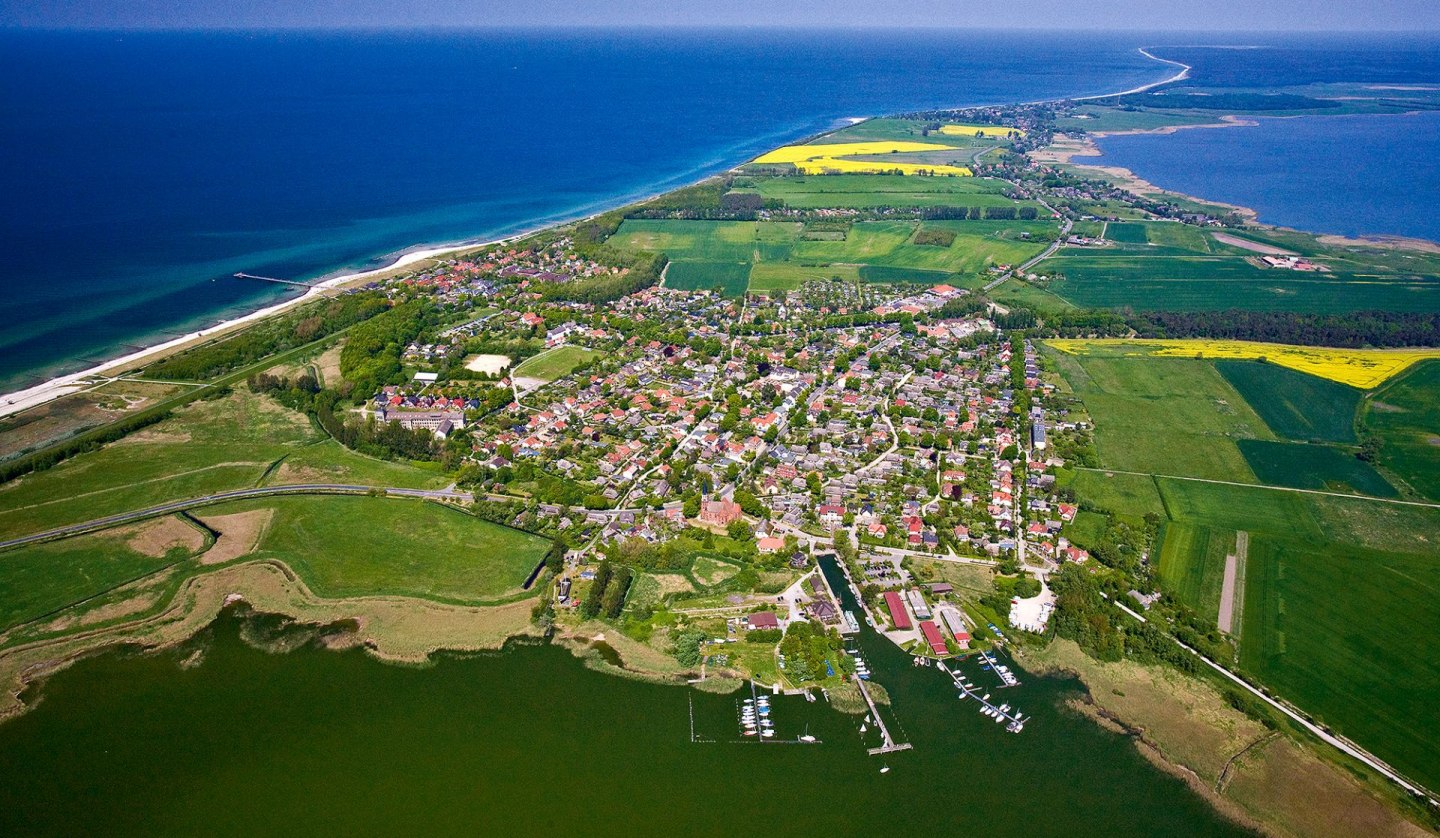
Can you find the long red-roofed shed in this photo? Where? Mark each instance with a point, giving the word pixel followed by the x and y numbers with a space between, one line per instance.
pixel 899 617
pixel 934 638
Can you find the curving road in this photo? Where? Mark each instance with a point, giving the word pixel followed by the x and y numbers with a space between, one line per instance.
pixel 222 497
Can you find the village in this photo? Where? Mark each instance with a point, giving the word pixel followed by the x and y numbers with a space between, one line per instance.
pixel 751 437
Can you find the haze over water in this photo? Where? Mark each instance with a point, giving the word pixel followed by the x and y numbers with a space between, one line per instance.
pixel 143 169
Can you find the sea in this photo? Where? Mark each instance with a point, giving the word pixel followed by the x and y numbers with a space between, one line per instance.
pixel 1351 175
pixel 141 170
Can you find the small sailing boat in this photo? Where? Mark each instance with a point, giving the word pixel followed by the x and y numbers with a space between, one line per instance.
pixel 806 737
pixel 885 770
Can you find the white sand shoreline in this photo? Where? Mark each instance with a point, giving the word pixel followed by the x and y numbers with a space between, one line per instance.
pixel 63 385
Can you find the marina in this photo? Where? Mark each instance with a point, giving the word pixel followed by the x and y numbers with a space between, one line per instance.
pixel 1013 719
pixel 1007 678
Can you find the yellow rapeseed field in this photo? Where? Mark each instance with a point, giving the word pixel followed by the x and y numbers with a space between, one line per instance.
pixel 983 130
pixel 817 159
pixel 1362 368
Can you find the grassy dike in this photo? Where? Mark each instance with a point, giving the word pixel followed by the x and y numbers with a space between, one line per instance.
pixel 1267 779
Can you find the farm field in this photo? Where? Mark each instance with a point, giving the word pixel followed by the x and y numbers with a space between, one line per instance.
pixel 866 191
pixel 827 155
pixel 1309 466
pixel 360 546
pixel 1192 563
pixel 1293 404
pixel 555 363
pixel 1363 368
pixel 1340 632
pixel 731 278
pixel 1405 415
pixel 771 256
pixel 1202 414
pixel 1210 283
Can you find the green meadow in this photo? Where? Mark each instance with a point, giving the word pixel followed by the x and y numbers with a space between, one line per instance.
pixel 1338 589
pixel 1293 404
pixel 362 546
pixel 1405 415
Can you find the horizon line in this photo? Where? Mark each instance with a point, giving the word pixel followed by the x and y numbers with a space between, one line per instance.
pixel 656 27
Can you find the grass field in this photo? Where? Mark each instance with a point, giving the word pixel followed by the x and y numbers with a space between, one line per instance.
pixel 555 363
pixel 1130 496
pixel 1344 633
pixel 1405 415
pixel 1202 416
pixel 1293 404
pixel 42 578
pixel 692 241
pixel 1311 466
pixel 1192 563
pixel 207 446
pixel 358 546
pixel 788 276
pixel 1180 282
pixel 730 278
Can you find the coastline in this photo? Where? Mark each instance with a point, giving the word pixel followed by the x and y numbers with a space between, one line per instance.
pixel 1064 152
pixel 19 401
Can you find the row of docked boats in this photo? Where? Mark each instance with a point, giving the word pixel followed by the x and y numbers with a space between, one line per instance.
pixel 755 718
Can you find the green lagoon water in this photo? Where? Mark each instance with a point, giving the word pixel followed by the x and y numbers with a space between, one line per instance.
pixel 529 741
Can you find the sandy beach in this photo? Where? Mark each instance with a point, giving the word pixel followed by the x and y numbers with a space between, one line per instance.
pixel 22 400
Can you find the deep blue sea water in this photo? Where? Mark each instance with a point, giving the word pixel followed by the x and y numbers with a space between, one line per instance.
pixel 141 170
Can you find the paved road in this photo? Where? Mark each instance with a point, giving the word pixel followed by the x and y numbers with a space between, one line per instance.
pixel 1049 251
pixel 237 494
pixel 1263 486
pixel 1342 745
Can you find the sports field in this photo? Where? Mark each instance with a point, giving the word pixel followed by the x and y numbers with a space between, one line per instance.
pixel 555 363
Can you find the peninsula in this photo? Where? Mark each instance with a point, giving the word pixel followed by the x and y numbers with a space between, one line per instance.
pixel 925 380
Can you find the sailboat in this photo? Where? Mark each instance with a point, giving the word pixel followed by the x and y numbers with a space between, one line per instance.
pixel 863 728
pixel 806 737
pixel 885 770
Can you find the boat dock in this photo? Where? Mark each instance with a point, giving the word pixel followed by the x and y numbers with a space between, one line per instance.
pixel 1014 720
pixel 1007 678
pixel 890 743
pixel 273 279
